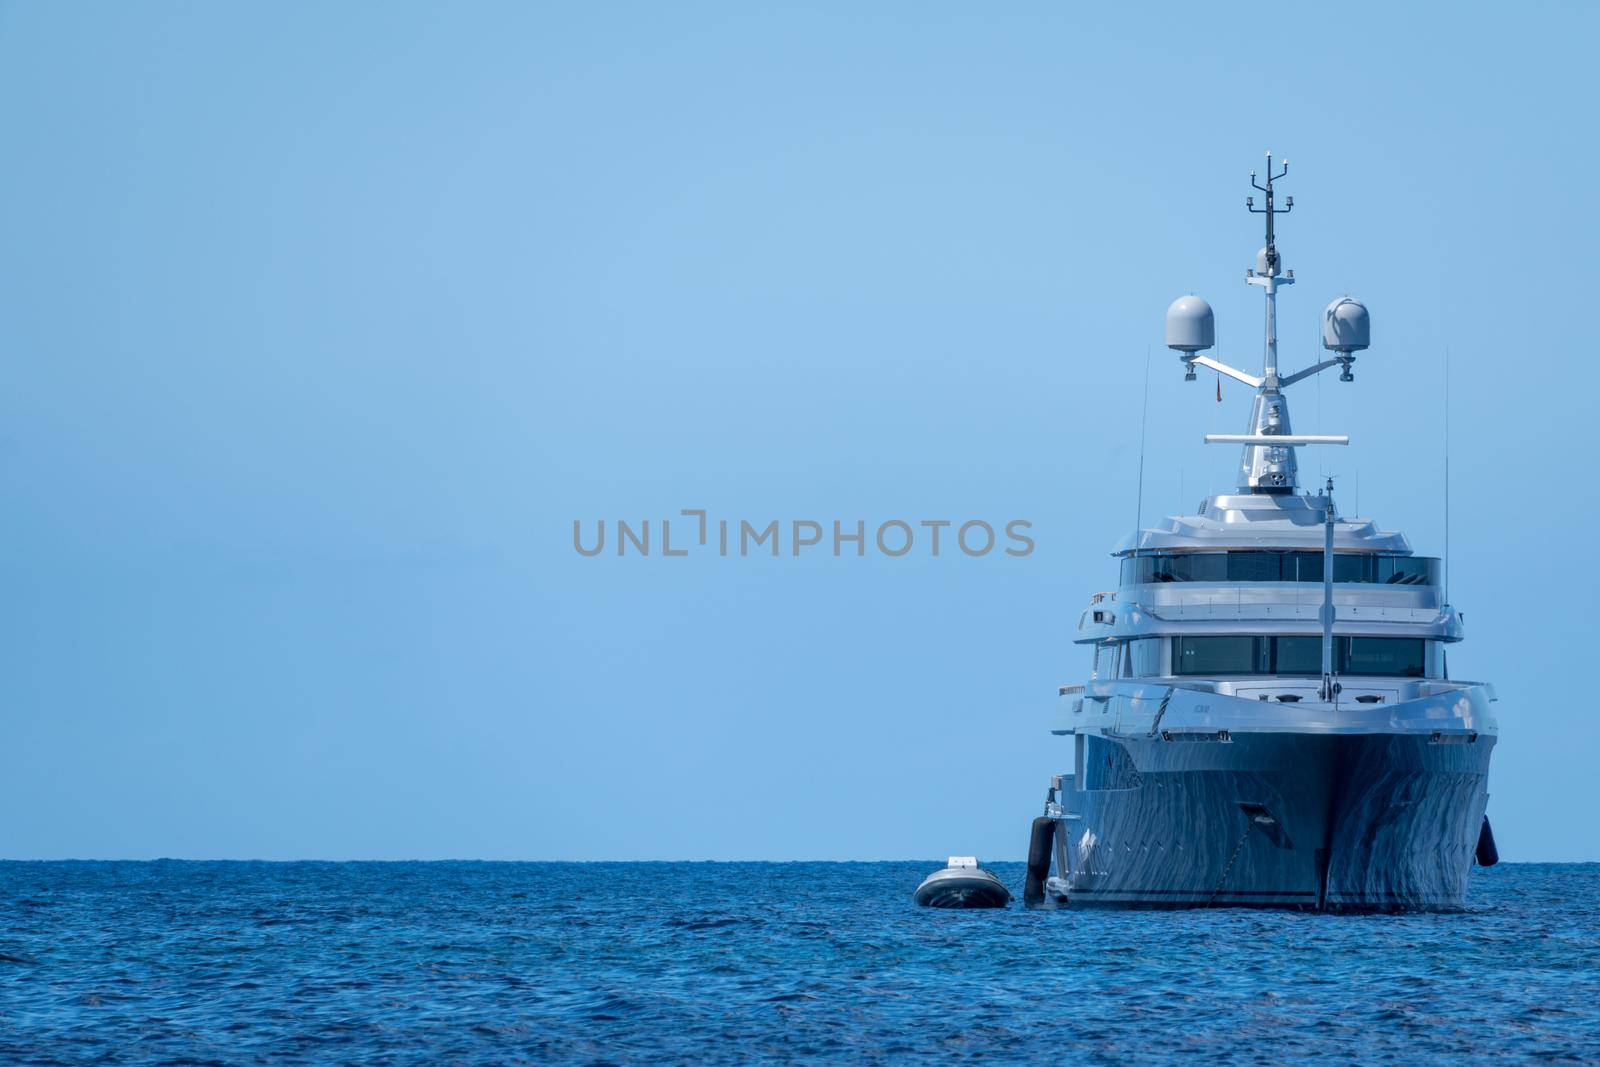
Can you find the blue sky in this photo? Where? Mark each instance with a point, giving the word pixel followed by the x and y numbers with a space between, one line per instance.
pixel 319 325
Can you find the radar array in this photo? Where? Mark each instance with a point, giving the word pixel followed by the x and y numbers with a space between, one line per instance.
pixel 1268 464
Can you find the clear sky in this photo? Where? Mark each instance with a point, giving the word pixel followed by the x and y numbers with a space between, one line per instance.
pixel 320 324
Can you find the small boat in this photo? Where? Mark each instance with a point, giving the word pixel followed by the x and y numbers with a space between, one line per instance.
pixel 962 884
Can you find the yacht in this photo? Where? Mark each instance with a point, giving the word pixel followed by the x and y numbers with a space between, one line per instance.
pixel 1270 720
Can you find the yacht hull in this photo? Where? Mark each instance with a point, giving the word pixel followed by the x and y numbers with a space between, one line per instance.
pixel 1328 822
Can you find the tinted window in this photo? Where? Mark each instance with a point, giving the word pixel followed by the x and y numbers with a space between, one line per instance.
pixel 1302 567
pixel 1218 655
pixel 1398 656
pixel 1412 570
pixel 1204 567
pixel 1349 568
pixel 1145 655
pixel 1298 655
pixel 1255 567
pixel 1105 659
pixel 1403 657
pixel 1278 567
pixel 1190 567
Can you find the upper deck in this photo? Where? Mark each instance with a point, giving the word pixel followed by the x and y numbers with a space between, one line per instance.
pixel 1269 581
pixel 1252 563
pixel 1263 521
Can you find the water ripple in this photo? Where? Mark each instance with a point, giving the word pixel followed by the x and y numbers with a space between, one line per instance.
pixel 175 962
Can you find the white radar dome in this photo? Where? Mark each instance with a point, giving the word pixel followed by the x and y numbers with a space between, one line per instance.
pixel 1191 327
pixel 1346 326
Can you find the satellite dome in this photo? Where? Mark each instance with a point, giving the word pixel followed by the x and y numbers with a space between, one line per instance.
pixel 1191 327
pixel 1261 262
pixel 1346 326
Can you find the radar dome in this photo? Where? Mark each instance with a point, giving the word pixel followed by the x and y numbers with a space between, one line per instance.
pixel 1346 326
pixel 1261 263
pixel 1191 327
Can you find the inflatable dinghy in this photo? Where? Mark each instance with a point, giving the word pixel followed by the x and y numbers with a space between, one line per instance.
pixel 963 884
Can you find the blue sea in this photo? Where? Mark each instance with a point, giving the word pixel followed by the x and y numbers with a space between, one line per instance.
pixel 401 963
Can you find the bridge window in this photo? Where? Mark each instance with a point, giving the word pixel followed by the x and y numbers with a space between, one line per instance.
pixel 1105 659
pixel 1404 657
pixel 1368 568
pixel 1257 567
pixel 1300 655
pixel 1219 655
pixel 1144 656
pixel 1138 658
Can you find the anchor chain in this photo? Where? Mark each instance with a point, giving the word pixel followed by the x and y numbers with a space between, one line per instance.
pixel 1229 868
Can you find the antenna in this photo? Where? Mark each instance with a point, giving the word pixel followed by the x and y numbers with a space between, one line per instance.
pixel 1144 421
pixel 1322 468
pixel 1269 211
pixel 1447 475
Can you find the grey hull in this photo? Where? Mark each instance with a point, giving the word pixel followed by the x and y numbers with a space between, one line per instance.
pixel 1359 822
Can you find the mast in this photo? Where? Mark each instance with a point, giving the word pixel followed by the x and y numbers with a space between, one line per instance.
pixel 1266 468
pixel 1267 464
pixel 1268 267
pixel 1330 688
